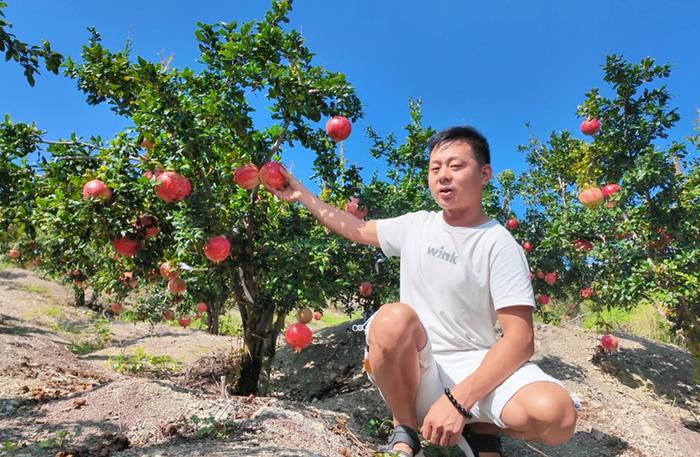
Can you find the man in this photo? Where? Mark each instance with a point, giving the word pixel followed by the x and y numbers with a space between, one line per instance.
pixel 434 356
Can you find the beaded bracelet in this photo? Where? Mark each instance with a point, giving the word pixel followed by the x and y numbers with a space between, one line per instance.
pixel 456 404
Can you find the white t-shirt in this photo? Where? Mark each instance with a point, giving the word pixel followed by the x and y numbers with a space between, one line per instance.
pixel 456 278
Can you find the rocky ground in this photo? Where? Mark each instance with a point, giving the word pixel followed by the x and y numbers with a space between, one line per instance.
pixel 640 401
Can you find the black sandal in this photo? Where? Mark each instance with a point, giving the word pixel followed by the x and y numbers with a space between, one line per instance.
pixel 406 435
pixel 482 442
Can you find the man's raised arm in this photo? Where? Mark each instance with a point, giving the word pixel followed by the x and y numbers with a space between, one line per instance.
pixel 338 221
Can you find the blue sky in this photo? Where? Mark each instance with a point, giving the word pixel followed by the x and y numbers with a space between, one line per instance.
pixel 495 65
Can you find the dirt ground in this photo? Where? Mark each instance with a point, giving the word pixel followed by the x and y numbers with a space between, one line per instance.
pixel 640 401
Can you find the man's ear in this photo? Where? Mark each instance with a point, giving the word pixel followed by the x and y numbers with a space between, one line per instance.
pixel 486 174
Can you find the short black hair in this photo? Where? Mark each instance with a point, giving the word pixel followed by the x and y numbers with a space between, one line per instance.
pixel 469 135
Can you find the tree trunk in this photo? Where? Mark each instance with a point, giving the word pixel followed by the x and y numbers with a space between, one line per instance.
pixel 260 336
pixel 79 295
pixel 213 319
pixel 251 366
pixel 690 326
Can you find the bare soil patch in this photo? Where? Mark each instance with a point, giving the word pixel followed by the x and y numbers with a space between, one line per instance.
pixel 640 401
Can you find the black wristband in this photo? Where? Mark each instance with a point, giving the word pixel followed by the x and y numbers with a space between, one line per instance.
pixel 456 404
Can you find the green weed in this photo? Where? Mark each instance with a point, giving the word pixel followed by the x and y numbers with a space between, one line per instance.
pixel 144 364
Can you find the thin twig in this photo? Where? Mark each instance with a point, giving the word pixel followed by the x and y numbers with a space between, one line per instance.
pixel 573 319
pixel 72 143
pixel 536 450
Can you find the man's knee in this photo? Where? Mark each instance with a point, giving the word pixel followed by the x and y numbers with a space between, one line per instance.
pixel 555 417
pixel 558 425
pixel 395 324
pixel 545 413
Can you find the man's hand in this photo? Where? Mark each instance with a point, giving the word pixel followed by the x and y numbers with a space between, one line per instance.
pixel 292 192
pixel 443 424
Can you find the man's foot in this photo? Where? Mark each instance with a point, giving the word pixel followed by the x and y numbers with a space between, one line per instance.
pixel 404 441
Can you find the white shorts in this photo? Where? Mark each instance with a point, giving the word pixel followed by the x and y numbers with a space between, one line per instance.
pixel 442 370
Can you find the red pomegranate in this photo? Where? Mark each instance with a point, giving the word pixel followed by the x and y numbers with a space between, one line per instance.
pixel 217 248
pixel 365 289
pixel 177 286
pixel 354 207
pixel 512 223
pixel 582 245
pixel 125 246
pixel 202 307
pixel 610 189
pixel 184 321
pixel 173 187
pixel 590 126
pixel 586 292
pixel 591 197
pixel 147 225
pixel 543 299
pixel 167 271
pixel 246 176
pixel 117 308
pixel 298 336
pixel 550 278
pixel 271 175
pixel 527 246
pixel 609 342
pixel 97 189
pixel 338 128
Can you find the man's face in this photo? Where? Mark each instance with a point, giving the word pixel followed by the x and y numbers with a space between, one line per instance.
pixel 455 177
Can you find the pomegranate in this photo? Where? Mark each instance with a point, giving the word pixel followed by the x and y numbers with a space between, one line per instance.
pixel 117 308
pixel 512 223
pixel 177 286
pixel 167 271
pixel 172 187
pixel 550 278
pixel 365 289
pixel 304 315
pixel 354 207
pixel 146 225
pixel 168 314
pixel 586 292
pixel 610 189
pixel 298 336
pixel 217 248
pixel 527 246
pixel 97 189
pixel 271 175
pixel 184 321
pixel 590 126
pixel 125 246
pixel 582 245
pixel 591 197
pixel 246 176
pixel 201 307
pixel 609 342
pixel 338 128
pixel 318 315
pixel 543 299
